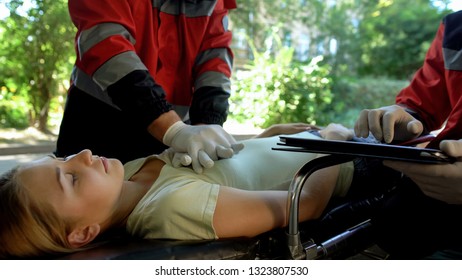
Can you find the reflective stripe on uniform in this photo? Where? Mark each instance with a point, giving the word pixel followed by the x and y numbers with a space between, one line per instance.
pixel 90 37
pixel 221 53
pixel 452 48
pixel 196 8
pixel 213 79
pixel 116 68
pixel 86 84
pixel 452 59
pixel 109 73
pixel 182 112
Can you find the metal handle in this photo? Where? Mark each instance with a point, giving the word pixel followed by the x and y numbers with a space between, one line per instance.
pixel 294 243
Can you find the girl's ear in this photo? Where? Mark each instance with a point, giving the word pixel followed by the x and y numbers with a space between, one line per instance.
pixel 82 236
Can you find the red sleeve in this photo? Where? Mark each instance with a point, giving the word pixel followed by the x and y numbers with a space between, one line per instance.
pixel 427 93
pixel 86 14
pixel 230 4
pixel 217 36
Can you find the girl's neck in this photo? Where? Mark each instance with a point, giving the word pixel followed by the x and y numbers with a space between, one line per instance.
pixel 134 190
pixel 148 173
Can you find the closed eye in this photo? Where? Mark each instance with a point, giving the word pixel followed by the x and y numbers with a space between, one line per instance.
pixel 74 179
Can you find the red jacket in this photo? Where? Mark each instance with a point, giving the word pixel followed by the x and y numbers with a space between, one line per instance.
pixel 435 93
pixel 184 46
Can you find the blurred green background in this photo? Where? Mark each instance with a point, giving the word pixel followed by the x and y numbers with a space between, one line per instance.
pixel 315 61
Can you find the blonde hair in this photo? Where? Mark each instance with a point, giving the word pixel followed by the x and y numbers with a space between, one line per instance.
pixel 28 228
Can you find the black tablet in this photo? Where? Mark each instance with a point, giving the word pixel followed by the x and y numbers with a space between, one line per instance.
pixel 363 149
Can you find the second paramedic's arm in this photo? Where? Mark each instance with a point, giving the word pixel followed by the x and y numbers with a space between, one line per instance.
pixel 427 94
pixel 388 123
pixel 212 68
pixel 439 181
pixel 418 108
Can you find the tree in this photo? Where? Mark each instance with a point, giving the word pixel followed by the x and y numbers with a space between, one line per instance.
pixel 357 37
pixel 38 53
pixel 395 36
pixel 256 19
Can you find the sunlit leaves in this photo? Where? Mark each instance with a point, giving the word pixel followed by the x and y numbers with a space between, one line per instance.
pixel 38 54
pixel 274 88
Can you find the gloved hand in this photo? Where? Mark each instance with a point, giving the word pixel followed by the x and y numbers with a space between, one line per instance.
pixel 388 123
pixel 335 131
pixel 181 159
pixel 200 145
pixel 439 181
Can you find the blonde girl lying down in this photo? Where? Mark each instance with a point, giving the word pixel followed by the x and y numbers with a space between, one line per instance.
pixel 59 205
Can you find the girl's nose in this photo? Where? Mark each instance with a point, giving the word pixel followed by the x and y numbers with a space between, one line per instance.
pixel 84 155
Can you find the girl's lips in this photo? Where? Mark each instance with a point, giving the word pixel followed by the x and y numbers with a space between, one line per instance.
pixel 105 164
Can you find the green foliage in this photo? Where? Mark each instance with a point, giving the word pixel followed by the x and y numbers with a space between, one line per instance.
pixel 255 16
pixel 13 113
pixel 35 56
pixel 275 89
pixel 372 38
pixel 351 95
pixel 395 35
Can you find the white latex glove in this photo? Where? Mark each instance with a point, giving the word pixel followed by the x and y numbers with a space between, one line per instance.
pixel 336 132
pixel 388 123
pixel 201 144
pixel 440 181
pixel 181 159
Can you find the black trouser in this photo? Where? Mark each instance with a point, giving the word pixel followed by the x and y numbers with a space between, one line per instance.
pixel 91 124
pixel 412 225
pixel 407 224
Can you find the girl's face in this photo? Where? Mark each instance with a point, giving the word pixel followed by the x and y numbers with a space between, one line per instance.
pixel 82 187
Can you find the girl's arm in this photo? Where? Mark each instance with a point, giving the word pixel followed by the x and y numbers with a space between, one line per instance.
pixel 290 128
pixel 249 213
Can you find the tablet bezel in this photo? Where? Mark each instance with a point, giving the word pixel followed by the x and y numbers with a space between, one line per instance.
pixel 363 149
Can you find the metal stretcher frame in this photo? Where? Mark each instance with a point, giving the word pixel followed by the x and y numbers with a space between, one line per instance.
pixel 340 152
pixel 311 250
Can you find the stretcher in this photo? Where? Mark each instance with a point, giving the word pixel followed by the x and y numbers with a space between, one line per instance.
pixel 345 229
pixel 341 152
pixel 318 239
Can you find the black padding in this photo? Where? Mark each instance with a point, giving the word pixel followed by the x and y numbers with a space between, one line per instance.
pixel 149 249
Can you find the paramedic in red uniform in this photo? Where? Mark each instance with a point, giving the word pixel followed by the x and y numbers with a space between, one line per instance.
pixel 145 73
pixel 424 215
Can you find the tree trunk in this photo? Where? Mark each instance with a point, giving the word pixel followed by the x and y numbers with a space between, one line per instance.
pixel 43 119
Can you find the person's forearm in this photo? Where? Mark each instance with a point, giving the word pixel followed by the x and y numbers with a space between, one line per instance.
pixel 289 128
pixel 160 125
pixel 268 132
pixel 419 95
